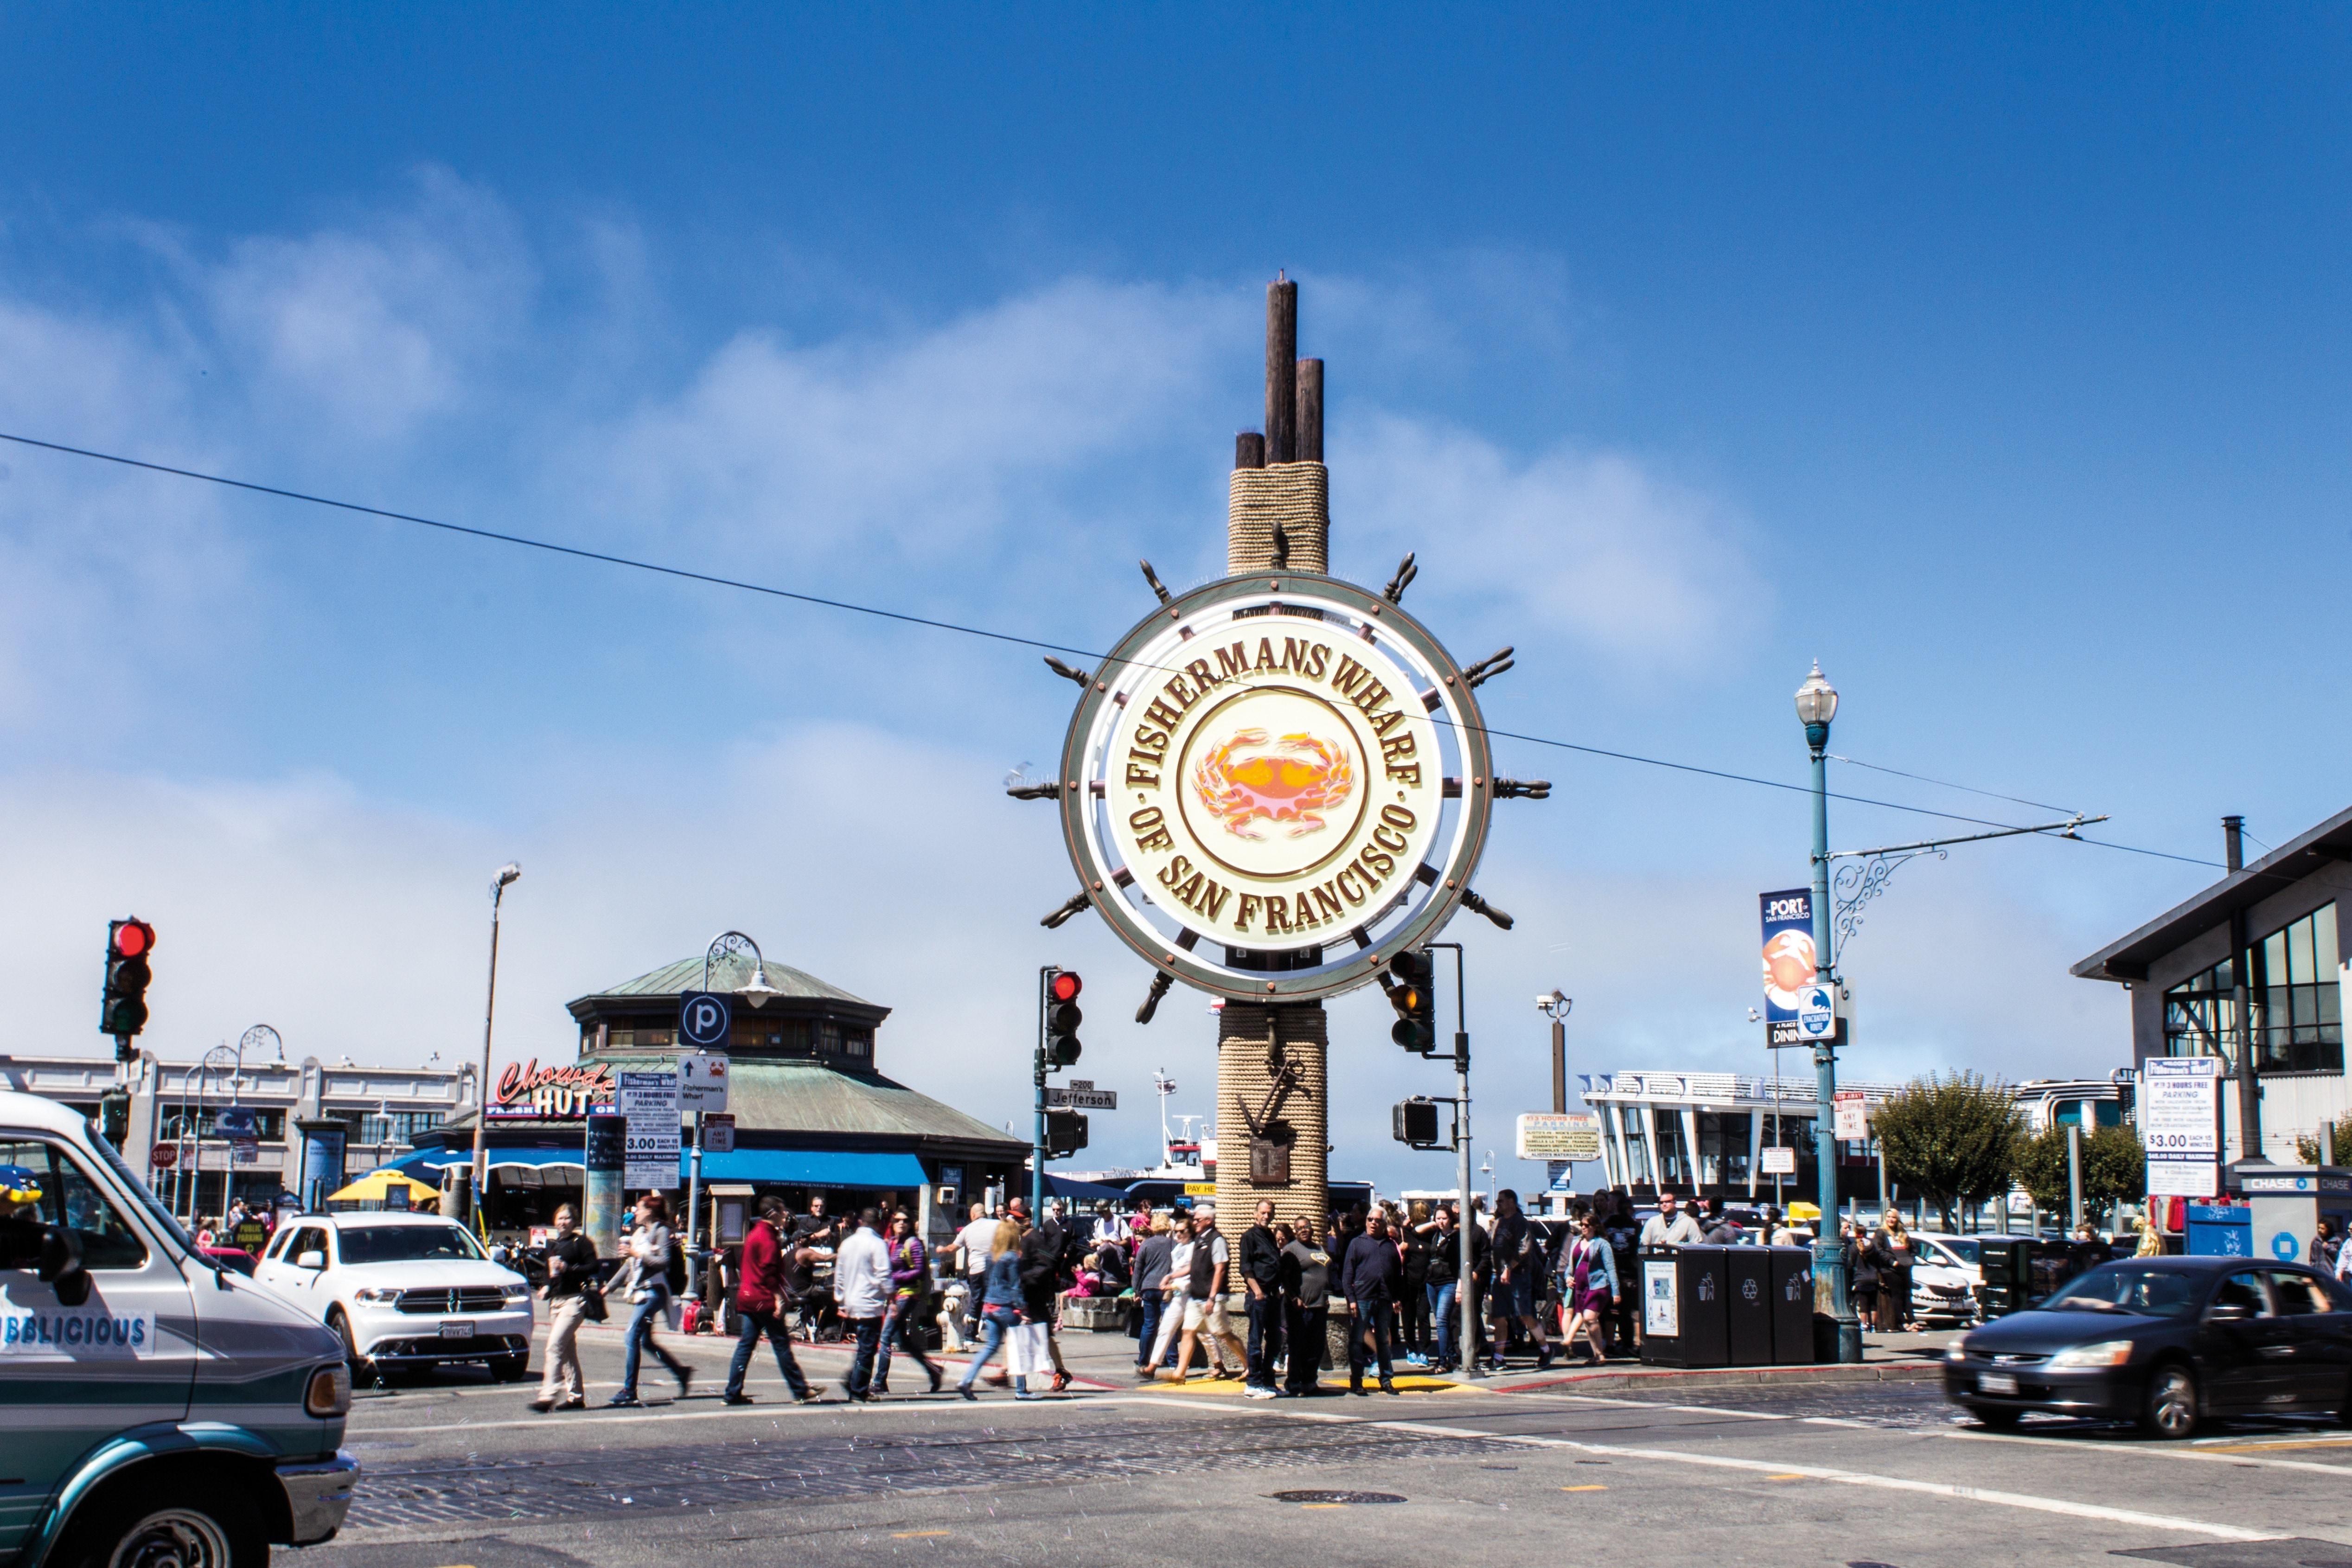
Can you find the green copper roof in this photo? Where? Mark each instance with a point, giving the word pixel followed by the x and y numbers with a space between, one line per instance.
pixel 731 973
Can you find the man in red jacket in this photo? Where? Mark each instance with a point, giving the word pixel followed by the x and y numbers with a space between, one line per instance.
pixel 759 1301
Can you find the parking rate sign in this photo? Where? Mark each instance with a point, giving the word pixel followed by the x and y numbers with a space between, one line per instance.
pixel 649 1102
pixel 2180 1122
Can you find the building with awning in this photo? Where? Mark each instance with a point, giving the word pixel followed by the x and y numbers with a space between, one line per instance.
pixel 814 1113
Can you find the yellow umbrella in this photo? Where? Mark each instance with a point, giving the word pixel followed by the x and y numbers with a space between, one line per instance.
pixel 1804 1210
pixel 373 1187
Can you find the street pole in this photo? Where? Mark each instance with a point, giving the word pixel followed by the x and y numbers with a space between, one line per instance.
pixel 2074 1178
pixel 1816 705
pixel 477 1175
pixel 1037 1146
pixel 1465 1292
pixel 694 1209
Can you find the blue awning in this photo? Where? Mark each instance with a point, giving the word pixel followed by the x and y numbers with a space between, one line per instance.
pixel 1080 1192
pixel 811 1168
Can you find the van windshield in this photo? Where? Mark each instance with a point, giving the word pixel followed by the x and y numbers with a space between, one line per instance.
pixel 407 1244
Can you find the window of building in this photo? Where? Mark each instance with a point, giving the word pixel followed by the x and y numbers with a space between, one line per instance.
pixel 828 1037
pixel 204 1122
pixel 858 1043
pixel 623 1039
pixel 400 1127
pixel 2292 994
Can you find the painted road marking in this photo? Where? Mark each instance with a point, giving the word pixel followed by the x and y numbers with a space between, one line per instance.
pixel 2026 1500
pixel 2211 1455
pixel 1584 1488
pixel 773 1412
pixel 914 1534
pixel 1784 1478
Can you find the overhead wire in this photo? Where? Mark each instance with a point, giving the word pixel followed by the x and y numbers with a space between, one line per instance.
pixel 904 617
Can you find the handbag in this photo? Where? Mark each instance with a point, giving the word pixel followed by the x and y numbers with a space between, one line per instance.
pixel 592 1304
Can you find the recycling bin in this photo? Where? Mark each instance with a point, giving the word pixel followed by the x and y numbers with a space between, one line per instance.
pixel 1791 1280
pixel 1747 1306
pixel 2005 1262
pixel 2221 1230
pixel 1683 1317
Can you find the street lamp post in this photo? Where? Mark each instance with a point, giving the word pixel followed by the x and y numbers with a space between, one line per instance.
pixel 726 943
pixel 478 1175
pixel 1816 702
pixel 1555 1008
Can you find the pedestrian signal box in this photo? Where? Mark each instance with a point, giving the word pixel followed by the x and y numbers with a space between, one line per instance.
pixel 1065 1133
pixel 1415 1122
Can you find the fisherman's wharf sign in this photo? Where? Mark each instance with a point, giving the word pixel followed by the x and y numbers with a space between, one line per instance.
pixel 1274 783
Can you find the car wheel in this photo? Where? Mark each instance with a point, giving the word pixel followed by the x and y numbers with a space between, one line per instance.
pixel 510 1368
pixel 2000 1417
pixel 2169 1410
pixel 364 1371
pixel 193 1527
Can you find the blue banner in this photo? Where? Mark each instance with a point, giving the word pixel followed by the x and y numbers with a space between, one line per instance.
pixel 1789 962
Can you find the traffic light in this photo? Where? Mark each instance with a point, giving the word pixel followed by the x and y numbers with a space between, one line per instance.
pixel 123 1011
pixel 114 1116
pixel 1065 1133
pixel 1415 1121
pixel 1061 1020
pixel 1412 992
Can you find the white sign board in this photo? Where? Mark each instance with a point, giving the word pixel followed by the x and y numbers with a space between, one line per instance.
pixel 719 1134
pixel 2179 1118
pixel 1087 1098
pixel 1816 1013
pixel 1852 1117
pixel 1556 1135
pixel 1661 1310
pixel 649 1101
pixel 702 1083
pixel 1780 1160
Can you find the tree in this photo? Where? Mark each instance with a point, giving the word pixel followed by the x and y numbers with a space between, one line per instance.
pixel 1950 1139
pixel 2115 1167
pixel 2308 1149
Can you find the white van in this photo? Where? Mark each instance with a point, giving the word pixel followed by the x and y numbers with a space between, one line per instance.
pixel 161 1408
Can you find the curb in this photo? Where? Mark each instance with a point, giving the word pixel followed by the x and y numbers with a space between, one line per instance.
pixel 1669 1378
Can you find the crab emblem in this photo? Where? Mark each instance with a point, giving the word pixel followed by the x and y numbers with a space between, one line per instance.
pixel 1289 785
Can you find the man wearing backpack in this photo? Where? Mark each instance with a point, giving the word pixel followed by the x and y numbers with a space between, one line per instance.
pixel 1518 1265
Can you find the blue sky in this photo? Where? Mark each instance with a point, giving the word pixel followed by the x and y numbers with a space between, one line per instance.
pixel 1994 357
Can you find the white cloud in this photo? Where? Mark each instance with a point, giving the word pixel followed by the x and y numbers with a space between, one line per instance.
pixel 1592 545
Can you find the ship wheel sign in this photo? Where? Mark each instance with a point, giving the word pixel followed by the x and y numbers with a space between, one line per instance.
pixel 1275 784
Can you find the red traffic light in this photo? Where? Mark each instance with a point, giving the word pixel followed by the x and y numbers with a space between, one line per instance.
pixel 133 937
pixel 1065 987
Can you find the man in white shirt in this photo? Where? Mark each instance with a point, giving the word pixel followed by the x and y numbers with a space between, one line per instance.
pixel 972 1243
pixel 861 1293
pixel 1670 1227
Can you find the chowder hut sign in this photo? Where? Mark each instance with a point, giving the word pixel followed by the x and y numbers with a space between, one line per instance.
pixel 565 1092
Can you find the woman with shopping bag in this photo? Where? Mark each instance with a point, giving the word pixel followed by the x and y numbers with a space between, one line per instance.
pixel 1000 1310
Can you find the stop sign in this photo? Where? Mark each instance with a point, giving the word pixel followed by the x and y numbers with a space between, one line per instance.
pixel 163 1156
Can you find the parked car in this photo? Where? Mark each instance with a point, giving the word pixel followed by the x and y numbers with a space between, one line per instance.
pixel 403 1292
pixel 1944 1279
pixel 2168 1343
pixel 161 1409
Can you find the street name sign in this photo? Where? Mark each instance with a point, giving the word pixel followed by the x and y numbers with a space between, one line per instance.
pixel 1082 1098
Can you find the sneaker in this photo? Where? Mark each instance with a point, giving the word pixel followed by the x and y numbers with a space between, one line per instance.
pixel 808 1396
pixel 621 1401
pixel 1415 1358
pixel 736 1399
pixel 878 1387
pixel 1543 1358
pixel 1061 1381
pixel 542 1405
pixel 965 1389
pixel 935 1379
pixel 1257 1392
pixel 685 1381
pixel 1387 1387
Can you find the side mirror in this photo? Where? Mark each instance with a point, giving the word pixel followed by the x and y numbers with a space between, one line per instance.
pixel 61 1266
pixel 313 1260
pixel 2228 1312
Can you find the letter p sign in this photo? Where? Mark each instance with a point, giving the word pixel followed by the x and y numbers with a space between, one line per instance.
pixel 705 1020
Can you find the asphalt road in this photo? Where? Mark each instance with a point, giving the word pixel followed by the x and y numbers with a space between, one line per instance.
pixel 460 1472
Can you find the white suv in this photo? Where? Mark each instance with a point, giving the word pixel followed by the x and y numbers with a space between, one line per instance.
pixel 403 1290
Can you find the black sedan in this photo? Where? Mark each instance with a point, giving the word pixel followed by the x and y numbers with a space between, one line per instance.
pixel 2165 1342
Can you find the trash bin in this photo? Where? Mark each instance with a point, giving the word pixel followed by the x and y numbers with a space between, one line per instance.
pixel 1792 1281
pixel 1684 1319
pixel 1747 1306
pixel 2005 1262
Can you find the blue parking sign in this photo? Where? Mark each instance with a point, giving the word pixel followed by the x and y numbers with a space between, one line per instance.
pixel 705 1019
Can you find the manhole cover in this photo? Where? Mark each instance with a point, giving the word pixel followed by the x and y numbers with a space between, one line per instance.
pixel 1333 1497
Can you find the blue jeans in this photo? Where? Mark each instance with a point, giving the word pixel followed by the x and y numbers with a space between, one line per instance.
pixel 993 1327
pixel 868 1333
pixel 641 1337
pixel 1152 1304
pixel 1374 1320
pixel 904 1325
pixel 1449 1322
pixel 756 1323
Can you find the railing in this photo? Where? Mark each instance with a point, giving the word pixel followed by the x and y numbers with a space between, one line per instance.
pixel 1718 1087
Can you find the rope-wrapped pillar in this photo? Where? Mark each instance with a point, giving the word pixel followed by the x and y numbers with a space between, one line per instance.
pixel 1273 1062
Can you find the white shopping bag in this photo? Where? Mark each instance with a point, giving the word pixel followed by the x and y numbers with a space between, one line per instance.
pixel 1025 1352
